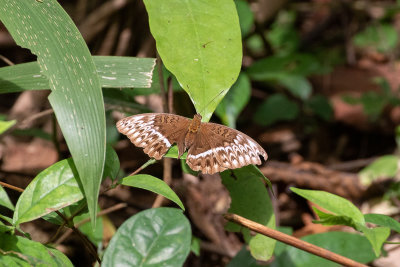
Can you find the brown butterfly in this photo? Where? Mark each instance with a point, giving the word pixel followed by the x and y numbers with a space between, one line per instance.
pixel 211 147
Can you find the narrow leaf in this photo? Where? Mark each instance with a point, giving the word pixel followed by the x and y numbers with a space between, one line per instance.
pixel 113 72
pixel 63 57
pixel 383 220
pixel 152 184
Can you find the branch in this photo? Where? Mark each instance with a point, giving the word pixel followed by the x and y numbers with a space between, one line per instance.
pixel 292 241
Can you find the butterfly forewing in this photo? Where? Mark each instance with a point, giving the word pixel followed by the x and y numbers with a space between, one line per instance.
pixel 155 132
pixel 227 149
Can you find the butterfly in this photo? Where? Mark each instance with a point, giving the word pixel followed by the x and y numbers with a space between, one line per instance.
pixel 211 147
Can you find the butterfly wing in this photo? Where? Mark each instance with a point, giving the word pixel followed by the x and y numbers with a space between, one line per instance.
pixel 223 148
pixel 155 132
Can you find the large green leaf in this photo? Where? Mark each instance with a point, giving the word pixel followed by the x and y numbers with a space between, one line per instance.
pixel 200 43
pixel 154 237
pixel 234 101
pixel 353 246
pixel 242 183
pixel 52 189
pixel 19 251
pixel 63 57
pixel 152 184
pixel 113 72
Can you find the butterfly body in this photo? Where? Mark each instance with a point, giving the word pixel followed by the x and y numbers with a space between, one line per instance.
pixel 211 147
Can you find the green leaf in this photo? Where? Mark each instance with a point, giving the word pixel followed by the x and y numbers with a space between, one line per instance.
pixel 154 237
pixel 332 203
pixel 373 103
pixel 173 153
pixel 243 259
pixel 382 37
pixel 383 220
pixel 246 16
pixel 19 251
pixel 276 108
pixel 111 168
pixel 195 246
pixel 200 43
pixel 376 237
pixel 152 184
pixel 242 183
pixel 5 200
pixel 5 125
pixel 76 98
pixel 95 235
pixel 235 100
pixel 330 219
pixel 353 246
pixel 321 107
pixel 52 189
pixel 385 166
pixel 113 72
pixel 298 85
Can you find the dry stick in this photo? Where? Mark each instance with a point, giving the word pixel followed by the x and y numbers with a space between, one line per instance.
pixel 290 240
pixel 12 187
pixel 28 120
pixel 161 78
pixel 167 162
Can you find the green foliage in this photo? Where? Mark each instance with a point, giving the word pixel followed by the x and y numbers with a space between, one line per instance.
pixel 385 166
pixel 350 245
pixel 52 189
pixel 152 184
pixel 19 251
pixel 343 212
pixel 374 102
pixel 200 48
pixel 153 237
pixel 5 200
pixel 276 108
pixel 113 72
pixel 5 125
pixel 234 101
pixel 320 106
pixel 76 95
pixel 242 183
pixel 246 16
pixel 382 37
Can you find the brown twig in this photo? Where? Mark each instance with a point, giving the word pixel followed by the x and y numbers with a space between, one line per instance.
pixel 12 187
pixel 162 86
pixel 292 241
pixel 77 225
pixel 168 107
pixel 84 239
pixel 28 120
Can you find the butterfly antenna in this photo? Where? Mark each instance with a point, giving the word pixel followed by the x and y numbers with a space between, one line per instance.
pixel 212 100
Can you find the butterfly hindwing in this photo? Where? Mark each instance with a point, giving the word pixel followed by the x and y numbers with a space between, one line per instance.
pixel 155 132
